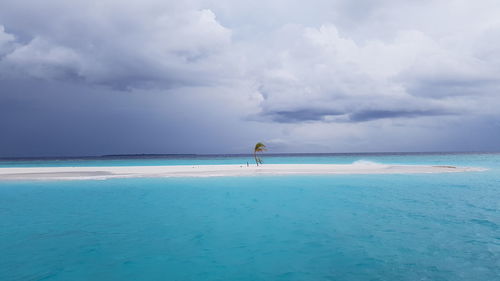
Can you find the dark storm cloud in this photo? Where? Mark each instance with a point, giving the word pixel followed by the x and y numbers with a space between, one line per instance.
pixel 53 118
pixel 301 115
pixel 452 87
pixel 369 115
pixel 322 115
pixel 100 77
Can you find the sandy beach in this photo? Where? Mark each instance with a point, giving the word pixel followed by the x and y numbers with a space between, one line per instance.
pixel 100 173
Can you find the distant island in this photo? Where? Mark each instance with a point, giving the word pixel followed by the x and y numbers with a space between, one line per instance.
pixel 145 155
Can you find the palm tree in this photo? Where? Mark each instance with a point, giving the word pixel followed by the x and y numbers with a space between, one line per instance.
pixel 259 147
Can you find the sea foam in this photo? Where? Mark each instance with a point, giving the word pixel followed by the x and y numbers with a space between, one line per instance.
pixel 369 164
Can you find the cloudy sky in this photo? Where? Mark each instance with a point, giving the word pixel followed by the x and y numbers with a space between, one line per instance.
pixel 216 76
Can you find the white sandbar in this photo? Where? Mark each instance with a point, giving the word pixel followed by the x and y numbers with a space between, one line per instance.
pixel 99 173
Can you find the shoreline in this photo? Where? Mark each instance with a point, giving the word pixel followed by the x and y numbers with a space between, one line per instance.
pixel 102 173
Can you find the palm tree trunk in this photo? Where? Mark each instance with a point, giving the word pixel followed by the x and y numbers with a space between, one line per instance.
pixel 255 156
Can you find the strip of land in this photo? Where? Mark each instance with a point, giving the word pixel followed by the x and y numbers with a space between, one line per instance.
pixel 100 173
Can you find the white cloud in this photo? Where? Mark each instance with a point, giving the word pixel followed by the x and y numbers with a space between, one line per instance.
pixel 40 59
pixel 7 42
pixel 320 74
pixel 169 46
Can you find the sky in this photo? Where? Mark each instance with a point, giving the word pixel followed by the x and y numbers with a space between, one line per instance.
pixel 216 76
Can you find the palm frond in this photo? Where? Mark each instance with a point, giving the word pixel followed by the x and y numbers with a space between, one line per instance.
pixel 260 147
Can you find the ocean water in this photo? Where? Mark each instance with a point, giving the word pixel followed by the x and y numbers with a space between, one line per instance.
pixel 335 227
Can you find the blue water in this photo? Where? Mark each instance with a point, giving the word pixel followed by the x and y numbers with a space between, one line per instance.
pixel 336 227
pixel 401 158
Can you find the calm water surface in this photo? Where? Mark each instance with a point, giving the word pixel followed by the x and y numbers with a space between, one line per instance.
pixel 336 227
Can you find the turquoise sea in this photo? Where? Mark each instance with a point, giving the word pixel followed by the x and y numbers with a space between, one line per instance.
pixel 335 227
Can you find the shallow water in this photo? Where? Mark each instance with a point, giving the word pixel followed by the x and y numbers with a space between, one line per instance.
pixel 338 227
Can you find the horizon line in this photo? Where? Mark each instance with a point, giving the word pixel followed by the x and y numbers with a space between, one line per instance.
pixel 160 155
